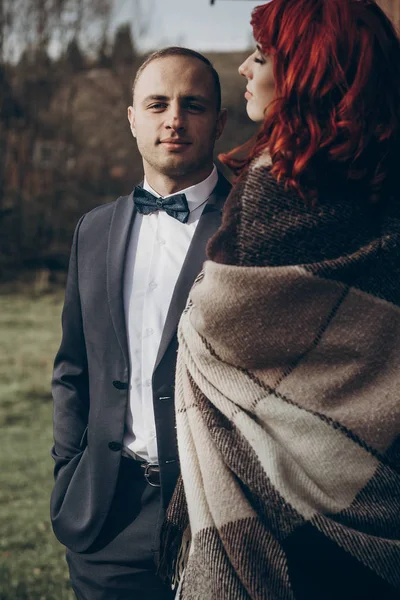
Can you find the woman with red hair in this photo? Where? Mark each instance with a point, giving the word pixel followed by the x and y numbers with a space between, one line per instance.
pixel 288 373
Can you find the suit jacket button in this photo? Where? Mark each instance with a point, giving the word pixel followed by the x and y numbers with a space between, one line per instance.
pixel 115 446
pixel 120 385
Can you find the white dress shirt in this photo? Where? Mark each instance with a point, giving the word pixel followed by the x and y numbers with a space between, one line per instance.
pixel 157 248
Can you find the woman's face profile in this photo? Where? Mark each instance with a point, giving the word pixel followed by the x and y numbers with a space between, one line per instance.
pixel 260 90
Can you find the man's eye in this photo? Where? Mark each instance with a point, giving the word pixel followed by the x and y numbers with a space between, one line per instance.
pixel 259 61
pixel 195 107
pixel 158 105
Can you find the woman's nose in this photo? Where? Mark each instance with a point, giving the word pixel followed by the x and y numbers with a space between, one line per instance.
pixel 244 69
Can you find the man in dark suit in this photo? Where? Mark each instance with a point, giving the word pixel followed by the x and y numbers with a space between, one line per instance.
pixel 131 268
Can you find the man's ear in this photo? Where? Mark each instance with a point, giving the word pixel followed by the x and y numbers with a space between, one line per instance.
pixel 221 122
pixel 131 119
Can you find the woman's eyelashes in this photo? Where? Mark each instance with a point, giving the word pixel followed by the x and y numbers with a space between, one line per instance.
pixel 259 60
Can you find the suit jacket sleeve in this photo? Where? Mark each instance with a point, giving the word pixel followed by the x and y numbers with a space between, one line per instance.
pixel 70 386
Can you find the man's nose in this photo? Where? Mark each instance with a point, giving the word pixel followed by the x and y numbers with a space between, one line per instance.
pixel 175 119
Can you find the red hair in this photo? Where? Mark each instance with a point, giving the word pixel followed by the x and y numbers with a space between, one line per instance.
pixel 336 113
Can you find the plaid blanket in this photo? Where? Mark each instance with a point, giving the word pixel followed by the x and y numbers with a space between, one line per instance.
pixel 287 403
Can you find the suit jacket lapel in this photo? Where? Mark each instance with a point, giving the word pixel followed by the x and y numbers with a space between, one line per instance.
pixel 120 229
pixel 208 224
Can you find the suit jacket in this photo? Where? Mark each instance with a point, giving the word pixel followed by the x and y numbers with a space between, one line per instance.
pixel 91 371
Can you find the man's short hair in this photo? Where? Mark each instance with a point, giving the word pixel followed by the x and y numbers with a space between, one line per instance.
pixel 178 51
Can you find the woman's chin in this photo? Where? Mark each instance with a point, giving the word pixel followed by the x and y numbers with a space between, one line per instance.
pixel 253 114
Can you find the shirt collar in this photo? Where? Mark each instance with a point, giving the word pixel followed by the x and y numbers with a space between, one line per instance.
pixel 195 194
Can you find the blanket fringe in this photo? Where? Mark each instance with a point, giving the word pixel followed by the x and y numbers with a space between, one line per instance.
pixel 174 539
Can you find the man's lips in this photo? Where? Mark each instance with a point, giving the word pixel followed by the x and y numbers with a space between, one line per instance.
pixel 175 144
pixel 248 94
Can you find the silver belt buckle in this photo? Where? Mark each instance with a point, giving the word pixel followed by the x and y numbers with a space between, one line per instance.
pixel 147 474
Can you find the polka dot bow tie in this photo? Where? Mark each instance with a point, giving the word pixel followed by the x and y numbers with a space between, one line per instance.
pixel 175 206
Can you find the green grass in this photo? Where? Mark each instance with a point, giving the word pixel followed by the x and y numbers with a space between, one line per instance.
pixel 32 564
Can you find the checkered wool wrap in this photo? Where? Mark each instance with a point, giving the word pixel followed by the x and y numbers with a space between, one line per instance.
pixel 287 403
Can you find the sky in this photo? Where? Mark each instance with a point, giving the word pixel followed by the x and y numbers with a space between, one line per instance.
pixel 225 26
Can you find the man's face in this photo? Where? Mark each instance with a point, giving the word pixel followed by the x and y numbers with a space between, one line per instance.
pixel 174 117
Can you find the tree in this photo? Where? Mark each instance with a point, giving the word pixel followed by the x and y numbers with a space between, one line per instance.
pixel 123 51
pixel 34 136
pixel 74 59
pixel 41 24
pixel 104 56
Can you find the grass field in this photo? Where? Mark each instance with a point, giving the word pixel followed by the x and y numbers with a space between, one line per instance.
pixel 32 565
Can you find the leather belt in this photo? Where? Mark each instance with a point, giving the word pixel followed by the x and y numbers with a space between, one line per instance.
pixel 152 474
pixel 151 471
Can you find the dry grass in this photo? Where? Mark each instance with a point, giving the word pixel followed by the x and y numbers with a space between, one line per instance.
pixel 32 565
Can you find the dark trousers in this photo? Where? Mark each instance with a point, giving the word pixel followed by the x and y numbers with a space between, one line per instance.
pixel 121 564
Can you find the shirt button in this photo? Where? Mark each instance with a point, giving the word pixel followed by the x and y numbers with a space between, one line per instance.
pixel 153 286
pixel 147 383
pixel 148 332
pixel 161 242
